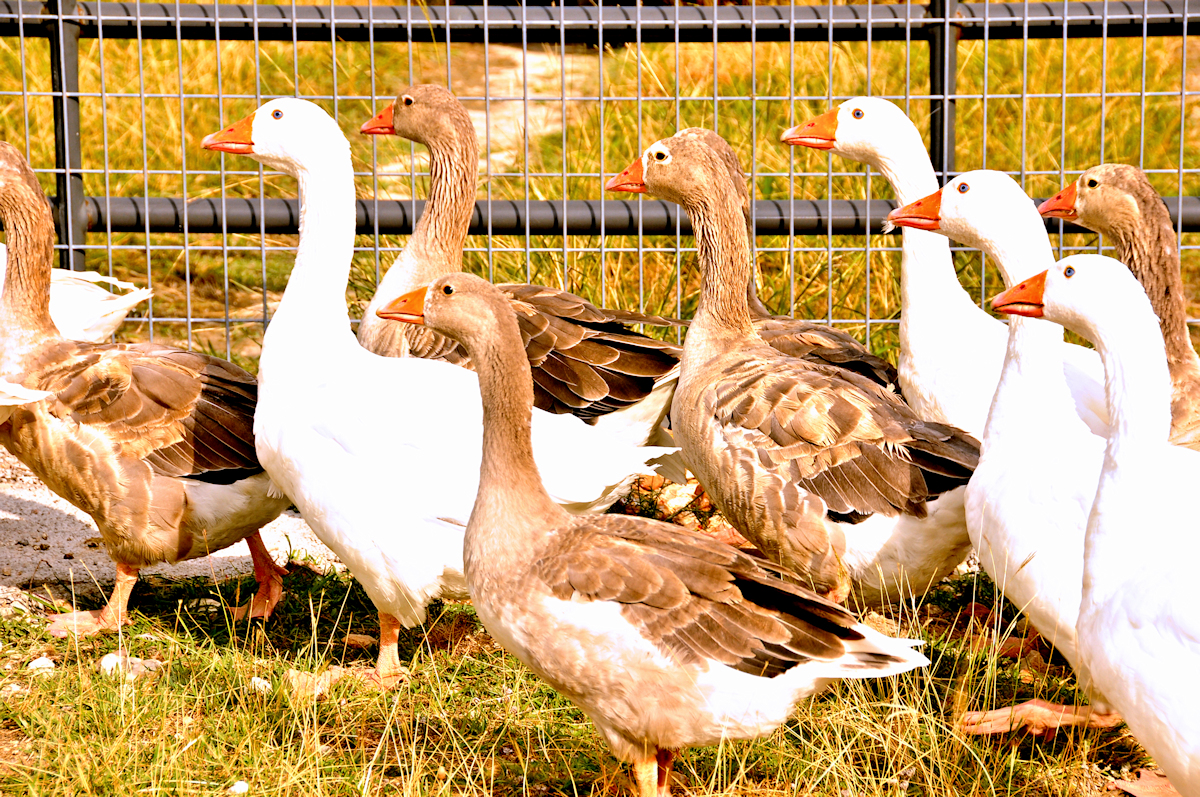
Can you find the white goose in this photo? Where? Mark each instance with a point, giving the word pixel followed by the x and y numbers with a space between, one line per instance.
pixel 381 455
pixel 1027 501
pixel 951 350
pixel 666 639
pixel 80 308
pixel 1139 635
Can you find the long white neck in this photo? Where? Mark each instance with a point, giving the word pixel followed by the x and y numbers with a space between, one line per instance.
pixel 930 294
pixel 1137 382
pixel 1032 397
pixel 1137 388
pixel 313 309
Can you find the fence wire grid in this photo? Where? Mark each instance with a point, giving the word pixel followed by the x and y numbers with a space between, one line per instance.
pixel 563 98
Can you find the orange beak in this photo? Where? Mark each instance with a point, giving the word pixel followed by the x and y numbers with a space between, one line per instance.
pixel 1061 205
pixel 236 138
pixel 631 180
pixel 409 308
pixel 924 214
pixel 381 123
pixel 817 133
pixel 1024 299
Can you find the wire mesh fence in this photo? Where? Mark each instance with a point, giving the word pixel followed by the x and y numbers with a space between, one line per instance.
pixel 562 98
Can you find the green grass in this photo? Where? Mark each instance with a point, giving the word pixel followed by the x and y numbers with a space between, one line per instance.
pixel 472 720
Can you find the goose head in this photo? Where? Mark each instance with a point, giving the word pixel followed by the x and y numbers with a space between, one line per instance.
pixel 424 113
pixel 682 169
pixel 1113 199
pixel 286 134
pixel 1084 293
pixel 462 306
pixel 986 210
pixel 866 130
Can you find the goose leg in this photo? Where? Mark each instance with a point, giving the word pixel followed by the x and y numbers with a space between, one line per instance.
pixel 1037 717
pixel 110 618
pixel 665 759
pixel 388 669
pixel 270 581
pixel 645 773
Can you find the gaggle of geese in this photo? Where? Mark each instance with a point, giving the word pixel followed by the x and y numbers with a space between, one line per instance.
pixel 468 441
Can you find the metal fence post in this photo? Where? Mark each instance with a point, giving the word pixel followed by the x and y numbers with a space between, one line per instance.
pixel 943 66
pixel 70 215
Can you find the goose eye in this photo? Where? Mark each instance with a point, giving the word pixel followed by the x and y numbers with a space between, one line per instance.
pixel 858 113
pixel 964 188
pixel 1069 272
pixel 1091 183
pixel 446 289
pixel 660 155
pixel 407 100
pixel 276 114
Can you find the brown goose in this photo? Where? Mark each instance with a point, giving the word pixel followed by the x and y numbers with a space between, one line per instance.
pixel 1118 202
pixel 586 360
pixel 666 639
pixel 155 443
pixel 793 336
pixel 826 471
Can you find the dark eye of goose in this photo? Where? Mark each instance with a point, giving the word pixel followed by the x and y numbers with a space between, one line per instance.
pixel 1092 183
pixel 660 155
pixel 276 114
pixel 446 289
pixel 1069 272
pixel 964 188
pixel 408 100
pixel 858 113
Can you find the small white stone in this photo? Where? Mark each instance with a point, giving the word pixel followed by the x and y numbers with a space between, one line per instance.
pixel 41 666
pixel 260 685
pixel 14 689
pixel 112 663
pixel 241 787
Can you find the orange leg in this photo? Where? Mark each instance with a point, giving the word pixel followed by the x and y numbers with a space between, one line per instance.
pixel 654 776
pixel 110 618
pixel 388 669
pixel 270 581
pixel 1037 717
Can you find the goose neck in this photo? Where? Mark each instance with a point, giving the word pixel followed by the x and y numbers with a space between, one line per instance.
pixel 314 303
pixel 437 242
pixel 1137 383
pixel 1151 252
pixel 1032 398
pixel 25 297
pixel 511 493
pixel 908 170
pixel 1020 253
pixel 724 257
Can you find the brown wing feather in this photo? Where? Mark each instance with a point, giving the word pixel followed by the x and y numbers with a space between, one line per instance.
pixel 821 344
pixel 840 436
pixel 696 598
pixel 184 413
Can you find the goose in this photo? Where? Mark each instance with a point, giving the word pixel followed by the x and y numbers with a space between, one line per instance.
pixel 665 638
pixel 1138 634
pixel 153 442
pixel 381 454
pixel 587 360
pixel 951 350
pixel 80 308
pixel 1118 202
pixel 792 336
pixel 826 471
pixel 1027 501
